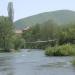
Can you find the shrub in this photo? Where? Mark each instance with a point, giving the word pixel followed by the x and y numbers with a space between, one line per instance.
pixel 18 43
pixel 63 50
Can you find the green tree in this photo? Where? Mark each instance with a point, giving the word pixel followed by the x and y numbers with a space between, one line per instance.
pixel 66 34
pixel 19 43
pixel 6 32
pixel 45 31
pixel 48 30
pixel 10 11
pixel 32 34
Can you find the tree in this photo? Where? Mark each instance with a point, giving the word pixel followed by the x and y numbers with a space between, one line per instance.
pixel 66 34
pixel 10 11
pixel 45 31
pixel 19 43
pixel 6 32
pixel 48 30
pixel 32 34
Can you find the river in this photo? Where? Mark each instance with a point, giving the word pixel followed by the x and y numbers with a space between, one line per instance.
pixel 34 62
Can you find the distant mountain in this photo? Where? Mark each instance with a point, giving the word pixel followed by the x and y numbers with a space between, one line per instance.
pixel 59 16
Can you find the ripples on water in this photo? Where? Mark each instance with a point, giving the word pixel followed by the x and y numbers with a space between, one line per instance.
pixel 34 62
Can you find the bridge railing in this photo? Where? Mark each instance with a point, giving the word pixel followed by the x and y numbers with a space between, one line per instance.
pixel 43 41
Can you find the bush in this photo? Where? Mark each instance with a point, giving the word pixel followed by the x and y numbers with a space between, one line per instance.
pixel 18 43
pixel 63 50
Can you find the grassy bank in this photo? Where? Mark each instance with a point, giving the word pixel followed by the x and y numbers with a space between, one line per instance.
pixel 62 50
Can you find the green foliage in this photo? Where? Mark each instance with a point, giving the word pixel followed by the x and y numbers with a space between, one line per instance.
pixel 63 50
pixel 37 33
pixel 18 43
pixel 32 35
pixel 6 32
pixel 10 11
pixel 48 30
pixel 66 34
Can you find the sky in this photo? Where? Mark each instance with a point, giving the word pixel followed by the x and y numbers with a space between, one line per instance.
pixel 25 8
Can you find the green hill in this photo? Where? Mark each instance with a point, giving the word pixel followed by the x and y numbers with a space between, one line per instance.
pixel 59 16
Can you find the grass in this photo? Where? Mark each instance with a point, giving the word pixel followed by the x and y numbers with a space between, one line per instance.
pixel 63 50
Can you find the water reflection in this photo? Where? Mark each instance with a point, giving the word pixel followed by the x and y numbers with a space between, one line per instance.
pixel 6 66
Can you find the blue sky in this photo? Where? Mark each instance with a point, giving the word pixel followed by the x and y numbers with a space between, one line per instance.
pixel 25 8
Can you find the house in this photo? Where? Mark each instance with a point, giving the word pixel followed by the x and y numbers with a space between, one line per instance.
pixel 20 31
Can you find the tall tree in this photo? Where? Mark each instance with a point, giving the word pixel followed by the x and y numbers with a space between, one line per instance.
pixel 10 11
pixel 6 32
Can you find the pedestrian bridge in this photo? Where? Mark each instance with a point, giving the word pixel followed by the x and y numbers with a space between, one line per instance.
pixel 55 40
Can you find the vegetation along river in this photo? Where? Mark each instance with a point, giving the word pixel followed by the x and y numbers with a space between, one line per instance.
pixel 34 62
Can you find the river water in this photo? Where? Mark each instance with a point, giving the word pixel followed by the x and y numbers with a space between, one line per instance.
pixel 34 62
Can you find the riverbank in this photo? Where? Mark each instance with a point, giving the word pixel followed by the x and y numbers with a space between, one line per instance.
pixel 9 51
pixel 62 50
